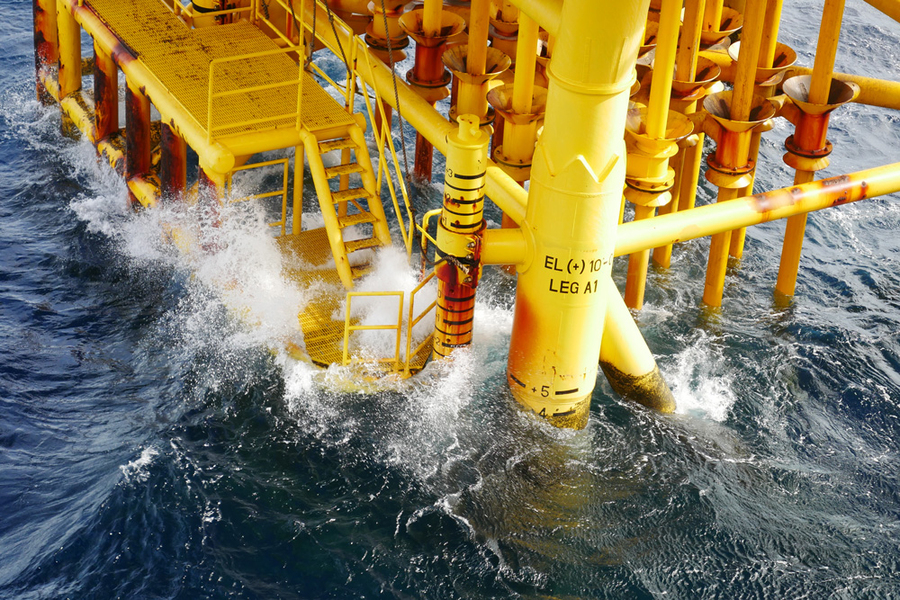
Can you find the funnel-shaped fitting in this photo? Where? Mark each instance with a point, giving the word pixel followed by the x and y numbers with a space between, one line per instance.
pixel 731 21
pixel 785 57
pixel 413 24
pixel 719 108
pixel 506 22
pixel 501 98
pixel 707 73
pixel 797 89
pixel 455 59
pixel 678 127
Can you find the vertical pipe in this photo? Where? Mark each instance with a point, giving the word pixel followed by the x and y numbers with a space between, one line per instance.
pixel 461 218
pixel 576 187
pixel 741 104
pixel 69 51
pixel 106 92
pixel 766 57
pixel 431 18
pixel 819 88
pixel 479 23
pixel 297 208
pixel 657 117
pixel 46 49
pixel 172 165
pixel 137 135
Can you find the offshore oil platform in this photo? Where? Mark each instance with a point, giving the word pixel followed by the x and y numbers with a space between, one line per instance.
pixel 593 104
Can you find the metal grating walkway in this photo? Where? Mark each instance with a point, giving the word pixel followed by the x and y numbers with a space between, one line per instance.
pixel 180 58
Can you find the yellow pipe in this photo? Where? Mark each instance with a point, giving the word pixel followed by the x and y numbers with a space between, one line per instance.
pixel 69 51
pixel 826 50
pixel 765 60
pixel 890 8
pixel 215 155
pixel 712 16
pixel 526 58
pixel 742 102
pixel 627 361
pixel 479 23
pixel 760 208
pixel 657 116
pixel 663 70
pixel 577 180
pixel 544 12
pixel 431 17
pixel 819 88
pixel 505 246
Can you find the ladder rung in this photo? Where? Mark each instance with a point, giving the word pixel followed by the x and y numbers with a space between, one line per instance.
pixel 356 219
pixel 354 245
pixel 360 270
pixel 338 144
pixel 351 194
pixel 345 169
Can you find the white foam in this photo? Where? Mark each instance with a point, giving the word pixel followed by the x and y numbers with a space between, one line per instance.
pixel 700 380
pixel 136 470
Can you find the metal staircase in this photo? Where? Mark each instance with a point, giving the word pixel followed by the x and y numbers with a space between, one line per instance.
pixel 348 197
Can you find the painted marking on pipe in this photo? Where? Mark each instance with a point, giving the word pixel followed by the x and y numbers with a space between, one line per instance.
pixel 573 287
pixel 564 392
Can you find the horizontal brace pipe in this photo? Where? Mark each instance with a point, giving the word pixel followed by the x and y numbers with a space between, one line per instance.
pixel 759 208
pixel 890 8
pixel 873 91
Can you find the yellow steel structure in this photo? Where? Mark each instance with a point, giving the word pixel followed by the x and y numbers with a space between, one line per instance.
pixel 236 82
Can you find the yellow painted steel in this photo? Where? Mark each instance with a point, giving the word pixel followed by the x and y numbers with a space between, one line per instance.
pixel 651 190
pixel 576 187
pixel 393 361
pixel 742 101
pixel 69 36
pixel 627 361
pixel 760 208
pixel 459 235
pixel 819 88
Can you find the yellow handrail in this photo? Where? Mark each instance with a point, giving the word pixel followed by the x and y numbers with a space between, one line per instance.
pixel 282 192
pixel 398 327
pixel 212 94
pixel 413 321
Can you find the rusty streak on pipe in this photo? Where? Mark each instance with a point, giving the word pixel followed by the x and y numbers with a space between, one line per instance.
pixel 759 208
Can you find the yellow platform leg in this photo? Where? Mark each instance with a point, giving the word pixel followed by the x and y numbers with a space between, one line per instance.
pixel 576 187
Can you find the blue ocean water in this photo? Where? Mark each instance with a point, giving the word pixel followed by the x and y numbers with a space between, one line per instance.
pixel 151 446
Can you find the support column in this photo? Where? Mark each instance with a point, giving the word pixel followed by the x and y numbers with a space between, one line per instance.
pixel 572 214
pixel 106 93
pixel 808 141
pixel 137 137
pixel 172 165
pixel 46 45
pixel 69 74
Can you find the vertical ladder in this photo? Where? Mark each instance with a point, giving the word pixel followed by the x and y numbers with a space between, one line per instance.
pixel 357 205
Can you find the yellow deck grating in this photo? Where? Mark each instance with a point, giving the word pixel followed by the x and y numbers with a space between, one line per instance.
pixel 305 258
pixel 180 58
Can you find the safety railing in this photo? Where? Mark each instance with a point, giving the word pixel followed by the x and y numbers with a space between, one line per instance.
pixel 213 95
pixel 356 54
pixel 188 12
pixel 394 361
pixel 415 320
pixel 283 192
